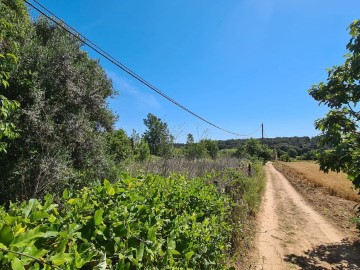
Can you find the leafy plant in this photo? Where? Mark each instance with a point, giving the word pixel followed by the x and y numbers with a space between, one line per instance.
pixel 148 222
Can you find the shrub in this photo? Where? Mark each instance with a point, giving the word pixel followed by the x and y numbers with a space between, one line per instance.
pixel 147 222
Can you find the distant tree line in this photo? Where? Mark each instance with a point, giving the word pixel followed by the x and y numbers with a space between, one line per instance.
pixel 285 147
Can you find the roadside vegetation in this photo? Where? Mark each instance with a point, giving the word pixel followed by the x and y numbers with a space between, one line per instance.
pixel 76 193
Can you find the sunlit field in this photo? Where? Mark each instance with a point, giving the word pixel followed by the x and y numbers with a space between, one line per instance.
pixel 334 183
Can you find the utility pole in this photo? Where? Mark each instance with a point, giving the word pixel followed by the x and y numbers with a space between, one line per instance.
pixel 262 132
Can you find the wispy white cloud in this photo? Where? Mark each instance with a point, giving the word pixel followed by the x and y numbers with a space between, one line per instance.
pixel 123 85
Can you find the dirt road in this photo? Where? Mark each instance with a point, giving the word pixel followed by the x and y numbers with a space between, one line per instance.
pixel 292 235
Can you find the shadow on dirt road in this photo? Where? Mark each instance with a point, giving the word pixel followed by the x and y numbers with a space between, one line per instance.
pixel 344 255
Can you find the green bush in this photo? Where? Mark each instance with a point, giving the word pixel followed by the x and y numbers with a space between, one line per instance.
pixel 137 223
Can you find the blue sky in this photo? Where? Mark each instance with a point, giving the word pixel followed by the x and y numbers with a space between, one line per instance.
pixel 236 63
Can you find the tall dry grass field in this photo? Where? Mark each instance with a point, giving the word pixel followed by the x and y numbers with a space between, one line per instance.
pixel 334 183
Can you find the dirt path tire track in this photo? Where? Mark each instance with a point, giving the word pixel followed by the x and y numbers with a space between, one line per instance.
pixel 292 235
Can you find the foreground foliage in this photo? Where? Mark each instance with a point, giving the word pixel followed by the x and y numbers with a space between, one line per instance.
pixel 149 222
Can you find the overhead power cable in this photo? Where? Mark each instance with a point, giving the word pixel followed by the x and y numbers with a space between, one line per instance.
pixel 73 32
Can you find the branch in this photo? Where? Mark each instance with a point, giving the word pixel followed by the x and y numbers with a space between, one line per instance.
pixel 356 114
pixel 31 257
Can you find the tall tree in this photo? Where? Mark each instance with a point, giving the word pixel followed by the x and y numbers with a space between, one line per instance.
pixel 340 126
pixel 158 136
pixel 63 115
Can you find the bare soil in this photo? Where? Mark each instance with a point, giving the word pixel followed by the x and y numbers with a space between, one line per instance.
pixel 293 235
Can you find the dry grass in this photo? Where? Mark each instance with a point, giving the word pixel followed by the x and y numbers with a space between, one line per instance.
pixel 190 168
pixel 333 183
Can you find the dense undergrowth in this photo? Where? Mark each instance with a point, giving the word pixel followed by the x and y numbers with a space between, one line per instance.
pixel 148 222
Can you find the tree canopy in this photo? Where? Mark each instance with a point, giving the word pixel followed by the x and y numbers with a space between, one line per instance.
pixel 254 149
pixel 158 136
pixel 340 126
pixel 63 114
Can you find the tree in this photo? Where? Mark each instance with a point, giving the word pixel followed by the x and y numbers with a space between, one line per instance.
pixel 119 145
pixel 158 136
pixel 254 149
pixel 211 147
pixel 203 149
pixel 64 113
pixel 14 23
pixel 340 126
pixel 139 146
pixel 190 139
pixel 292 153
pixel 196 150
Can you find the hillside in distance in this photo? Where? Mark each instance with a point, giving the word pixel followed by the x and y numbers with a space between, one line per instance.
pixel 294 146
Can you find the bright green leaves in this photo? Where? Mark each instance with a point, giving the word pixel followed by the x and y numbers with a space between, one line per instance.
pixel 189 255
pixel 152 234
pixel 6 235
pixel 171 243
pixel 28 237
pixel 61 258
pixel 11 23
pixel 98 216
pixel 140 251
pixel 16 264
pixel 7 128
pixel 109 188
pixel 142 223
pixel 32 203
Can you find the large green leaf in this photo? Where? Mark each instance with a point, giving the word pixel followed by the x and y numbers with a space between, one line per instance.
pixel 16 264
pixel 25 238
pixel 140 252
pixel 29 207
pixel 171 243
pixel 152 234
pixel 61 258
pixel 98 216
pixel 6 235
pixel 38 215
